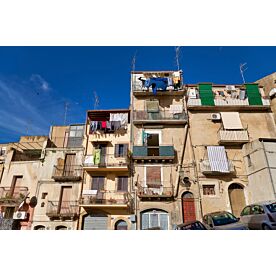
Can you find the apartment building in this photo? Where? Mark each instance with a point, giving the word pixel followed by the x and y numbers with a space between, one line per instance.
pixel 159 129
pixel 107 202
pixel 222 119
pixel 22 167
pixel 59 185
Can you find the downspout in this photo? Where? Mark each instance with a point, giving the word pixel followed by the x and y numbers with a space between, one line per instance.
pixel 85 152
pixel 270 175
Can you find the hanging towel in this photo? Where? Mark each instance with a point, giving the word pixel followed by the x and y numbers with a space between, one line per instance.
pixel 104 124
pixel 108 125
pixel 170 82
pixel 97 156
pixel 89 160
pixel 117 125
pixel 218 159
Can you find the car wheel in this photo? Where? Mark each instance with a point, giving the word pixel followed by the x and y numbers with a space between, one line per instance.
pixel 266 227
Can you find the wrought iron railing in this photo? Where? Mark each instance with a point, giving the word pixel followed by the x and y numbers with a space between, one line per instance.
pixel 14 195
pixel 233 135
pixel 155 188
pixel 105 160
pixel 165 152
pixel 62 208
pixel 142 115
pixel 205 167
pixel 67 171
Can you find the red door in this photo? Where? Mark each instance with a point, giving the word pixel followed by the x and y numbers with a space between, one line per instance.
pixel 188 205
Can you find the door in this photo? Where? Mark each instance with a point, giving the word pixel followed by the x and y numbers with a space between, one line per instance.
pixel 98 184
pixel 95 222
pixel 188 206
pixel 236 196
pixel 153 144
pixel 64 202
pixel 70 160
pixel 153 179
pixel 103 160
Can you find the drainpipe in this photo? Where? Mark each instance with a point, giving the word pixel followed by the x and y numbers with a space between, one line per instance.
pixel 270 175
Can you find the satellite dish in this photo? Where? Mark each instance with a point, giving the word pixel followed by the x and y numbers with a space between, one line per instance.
pixel 33 201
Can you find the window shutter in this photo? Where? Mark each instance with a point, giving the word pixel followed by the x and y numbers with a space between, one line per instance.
pixel 253 94
pixel 206 94
pixel 119 186
pixel 122 183
pixel 153 176
pixel 116 150
pixel 125 150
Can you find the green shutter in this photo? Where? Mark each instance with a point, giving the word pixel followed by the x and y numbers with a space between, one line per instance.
pixel 206 94
pixel 140 151
pixel 166 151
pixel 253 94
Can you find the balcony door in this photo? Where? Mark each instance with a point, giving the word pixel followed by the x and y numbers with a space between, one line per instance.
pixel 64 201
pixel 153 180
pixel 103 156
pixel 98 185
pixel 69 164
pixel 153 144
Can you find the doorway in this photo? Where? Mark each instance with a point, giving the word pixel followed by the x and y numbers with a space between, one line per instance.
pixel 236 197
pixel 153 144
pixel 188 207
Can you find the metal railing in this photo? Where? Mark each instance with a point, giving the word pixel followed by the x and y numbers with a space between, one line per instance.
pixel 205 167
pixel 162 152
pixel 62 208
pixel 155 188
pixel 105 160
pixel 137 86
pixel 141 115
pixel 67 171
pixel 233 135
pixel 13 195
pixel 104 197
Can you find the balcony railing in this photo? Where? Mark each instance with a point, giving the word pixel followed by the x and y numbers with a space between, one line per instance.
pixel 205 168
pixel 67 173
pixel 152 152
pixel 142 115
pixel 10 196
pixel 155 189
pixel 105 161
pixel 233 136
pixel 103 197
pixel 62 209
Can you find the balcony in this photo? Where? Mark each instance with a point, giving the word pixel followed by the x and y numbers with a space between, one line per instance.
pixel 12 196
pixel 67 173
pixel 104 198
pixel 161 117
pixel 160 190
pixel 153 153
pixel 62 210
pixel 205 168
pixel 107 162
pixel 233 137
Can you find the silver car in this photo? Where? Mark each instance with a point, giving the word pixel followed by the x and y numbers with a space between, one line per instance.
pixel 260 215
pixel 223 221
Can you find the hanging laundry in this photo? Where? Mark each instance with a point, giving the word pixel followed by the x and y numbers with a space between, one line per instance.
pixel 176 108
pixel 242 95
pixel 93 126
pixel 97 156
pixel 108 125
pixel 122 117
pixel 170 82
pixel 117 125
pixel 103 124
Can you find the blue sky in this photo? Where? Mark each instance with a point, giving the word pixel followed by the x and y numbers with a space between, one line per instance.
pixel 36 82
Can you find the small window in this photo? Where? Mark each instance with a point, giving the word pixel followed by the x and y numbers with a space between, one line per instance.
pixel 121 150
pixel 44 195
pixel 122 185
pixel 246 211
pixel 209 190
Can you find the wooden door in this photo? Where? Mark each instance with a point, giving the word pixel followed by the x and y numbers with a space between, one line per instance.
pixel 237 201
pixel 188 205
pixel 69 164
pixel 64 202
pixel 98 184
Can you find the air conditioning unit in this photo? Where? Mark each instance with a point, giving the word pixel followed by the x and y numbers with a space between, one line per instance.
pixel 230 87
pixel 19 215
pixel 215 117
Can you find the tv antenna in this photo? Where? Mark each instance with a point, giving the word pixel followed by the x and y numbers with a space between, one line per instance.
pixel 177 56
pixel 66 105
pixel 242 70
pixel 133 62
pixel 96 100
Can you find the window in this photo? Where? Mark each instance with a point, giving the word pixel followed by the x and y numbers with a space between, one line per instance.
pixel 246 211
pixel 153 176
pixel 122 185
pixel 257 210
pixel 155 220
pixel 121 150
pixel 44 195
pixel 121 225
pixel 208 189
pixel 75 136
pixel 98 183
pixel 2 151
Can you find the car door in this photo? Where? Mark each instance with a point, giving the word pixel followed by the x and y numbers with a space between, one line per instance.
pixel 246 216
pixel 258 216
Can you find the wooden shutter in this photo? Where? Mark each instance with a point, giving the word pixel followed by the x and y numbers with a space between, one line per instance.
pixel 65 196
pixel 122 183
pixel 153 176
pixel 116 153
pixel 125 150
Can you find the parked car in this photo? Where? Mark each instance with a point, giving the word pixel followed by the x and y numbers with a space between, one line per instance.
pixel 260 215
pixel 194 225
pixel 223 221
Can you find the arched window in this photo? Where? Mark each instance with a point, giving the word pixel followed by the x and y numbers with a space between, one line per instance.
pixel 61 227
pixel 154 219
pixel 121 225
pixel 39 227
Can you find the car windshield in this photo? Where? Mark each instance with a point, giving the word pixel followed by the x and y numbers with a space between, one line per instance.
pixel 272 207
pixel 223 218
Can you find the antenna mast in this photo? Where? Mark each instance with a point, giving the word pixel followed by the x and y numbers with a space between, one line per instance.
pixel 242 69
pixel 66 104
pixel 133 62
pixel 96 100
pixel 177 56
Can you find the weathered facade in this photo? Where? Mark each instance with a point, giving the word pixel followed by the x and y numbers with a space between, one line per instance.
pixel 106 201
pixel 59 186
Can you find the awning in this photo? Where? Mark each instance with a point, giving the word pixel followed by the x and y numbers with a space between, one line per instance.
pixel 231 120
pixel 218 159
